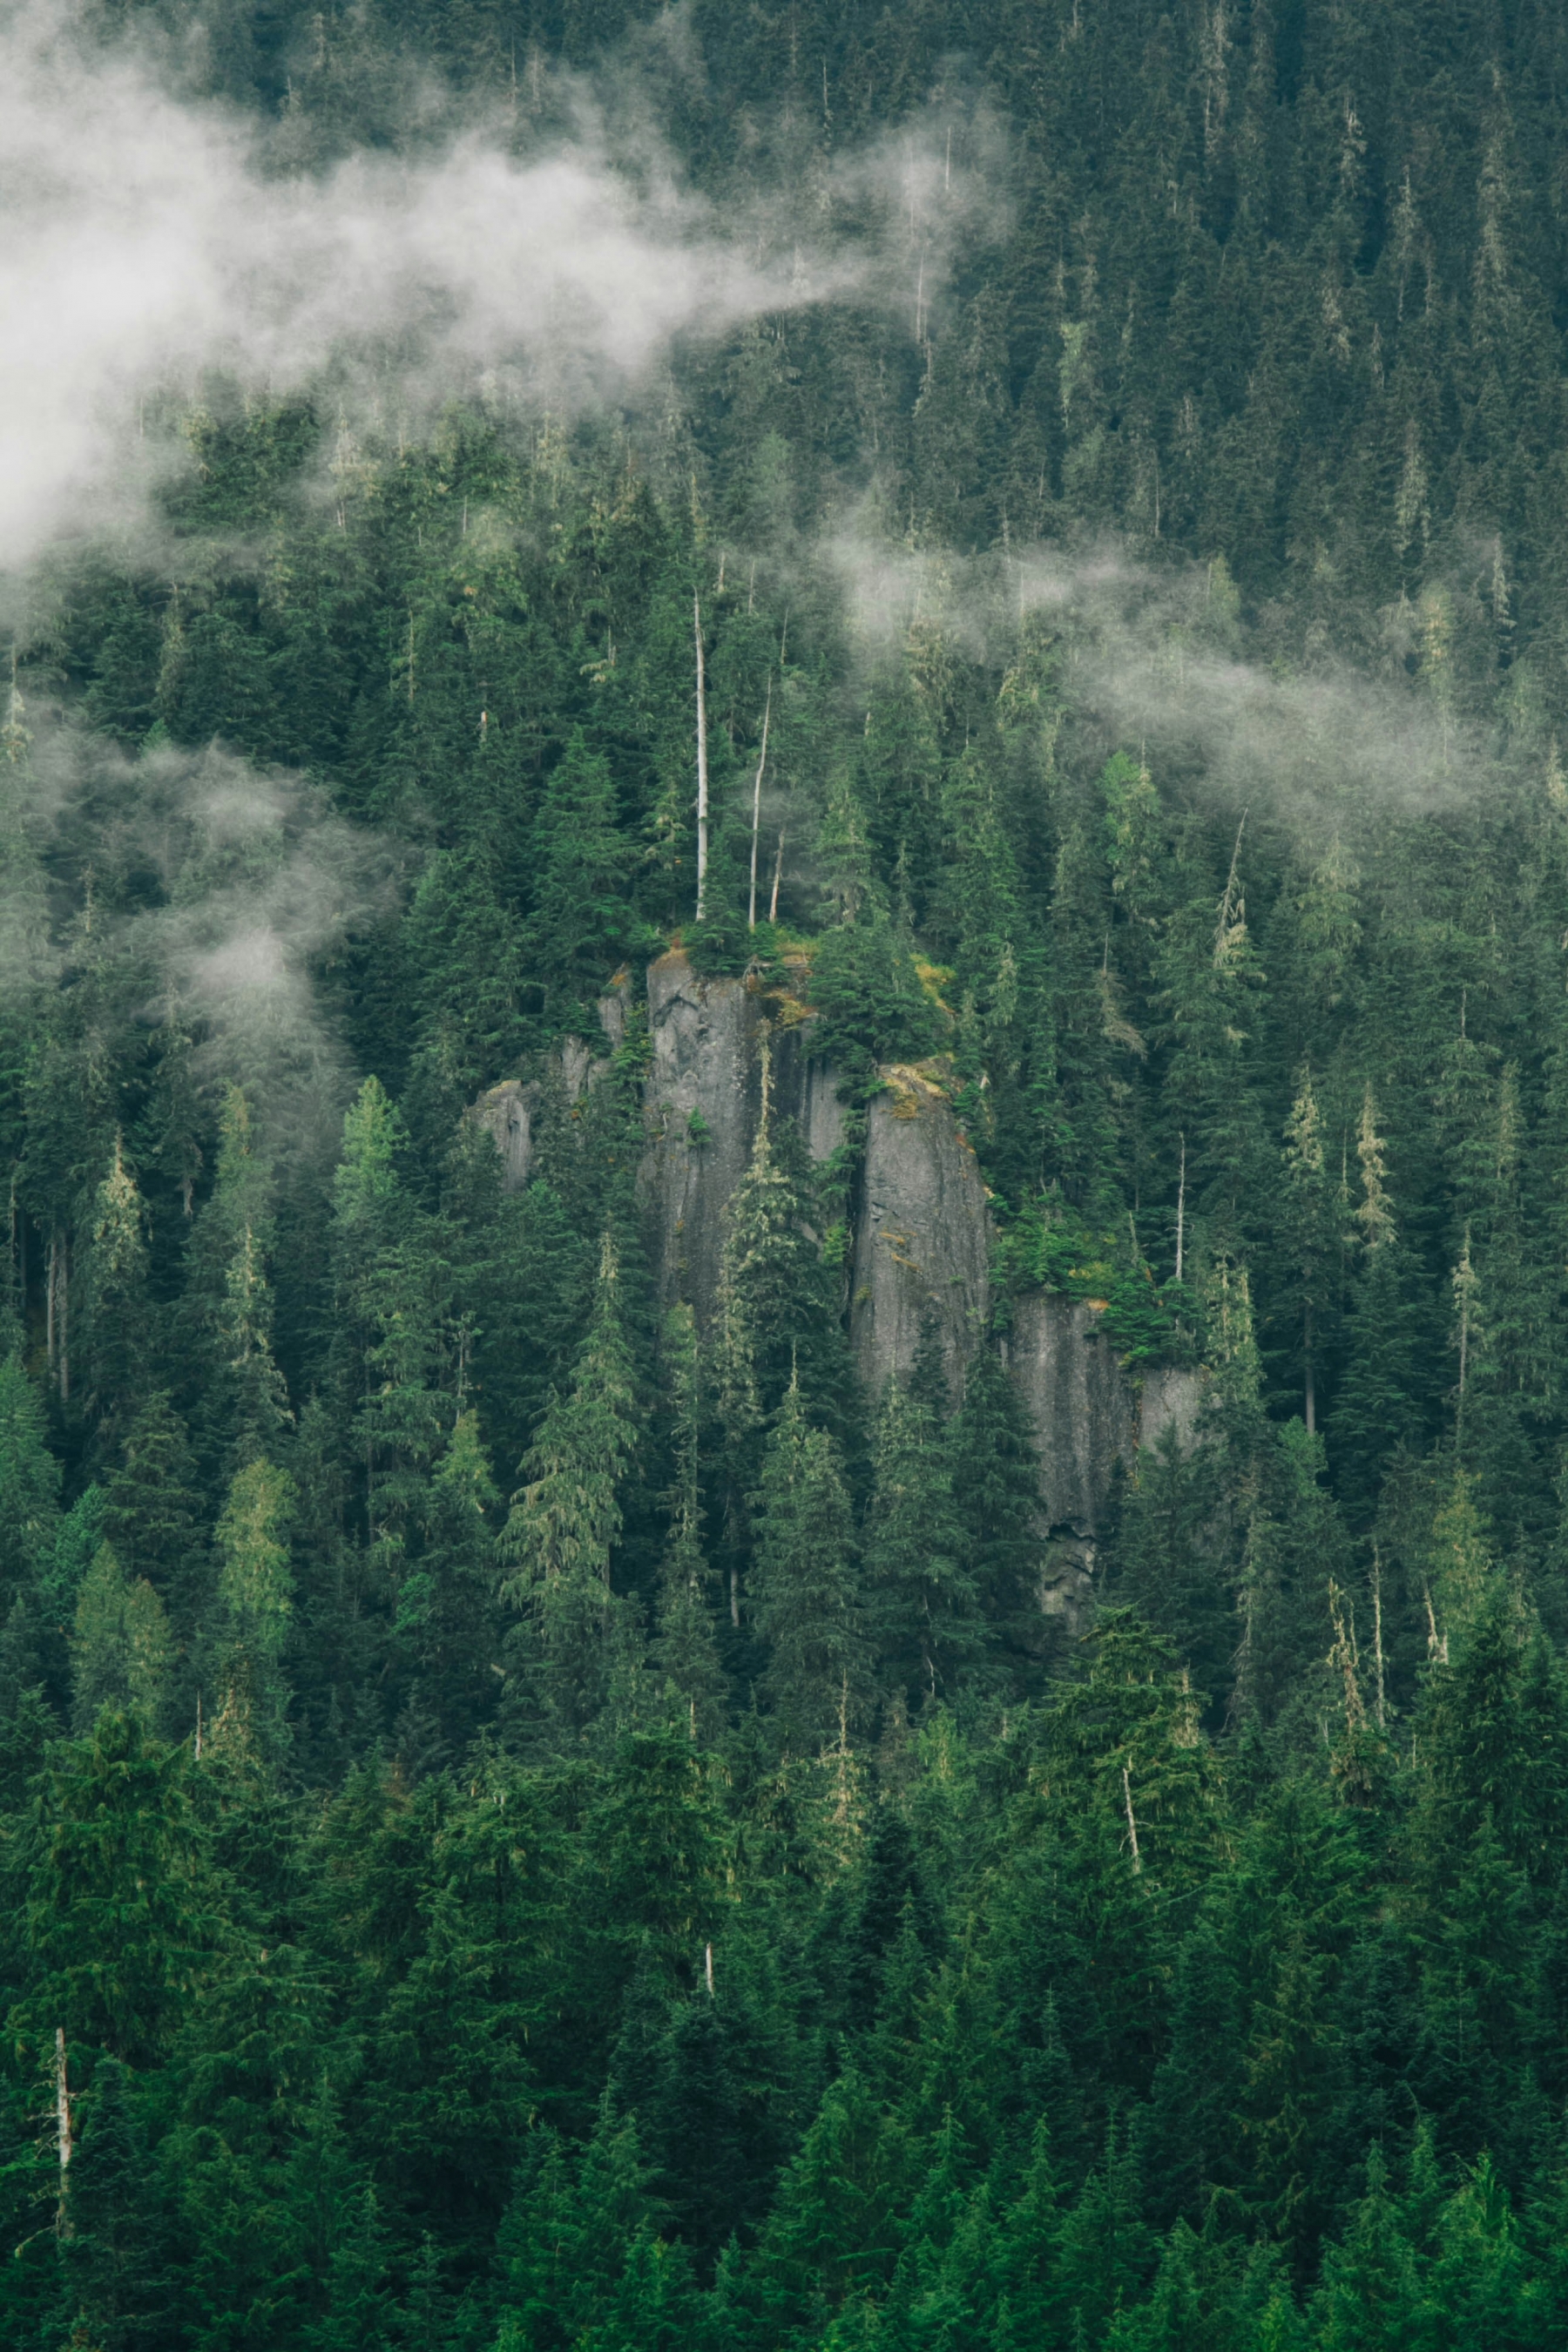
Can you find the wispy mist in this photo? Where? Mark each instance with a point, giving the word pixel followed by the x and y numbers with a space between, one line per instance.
pixel 1157 658
pixel 218 898
pixel 145 239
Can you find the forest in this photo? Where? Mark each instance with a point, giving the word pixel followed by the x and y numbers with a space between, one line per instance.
pixel 784 1098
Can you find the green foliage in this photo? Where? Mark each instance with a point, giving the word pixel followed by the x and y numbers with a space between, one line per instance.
pixel 803 1588
pixel 1066 1853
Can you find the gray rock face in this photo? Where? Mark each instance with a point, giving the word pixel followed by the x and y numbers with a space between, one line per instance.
pixel 703 1098
pixel 806 1091
pixel 1172 1399
pixel 1081 1407
pixel 921 1240
pixel 922 1236
pixel 508 1113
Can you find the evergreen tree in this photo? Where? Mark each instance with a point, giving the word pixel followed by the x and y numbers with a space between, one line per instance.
pixel 996 1494
pixel 241 1399
pixel 121 1650
pixel 559 1541
pixel 29 1481
pixel 922 1599
pixel 254 1595
pixel 684 1647
pixel 1310 1241
pixel 803 1588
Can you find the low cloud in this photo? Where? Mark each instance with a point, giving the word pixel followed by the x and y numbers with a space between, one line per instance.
pixel 145 239
pixel 221 898
pixel 1157 658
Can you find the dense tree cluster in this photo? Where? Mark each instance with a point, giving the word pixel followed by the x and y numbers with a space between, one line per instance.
pixel 531 1823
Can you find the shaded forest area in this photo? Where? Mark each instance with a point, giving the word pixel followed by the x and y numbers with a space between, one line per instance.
pixel 532 1819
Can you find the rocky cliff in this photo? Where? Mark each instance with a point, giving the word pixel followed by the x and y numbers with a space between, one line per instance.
pixel 921 1236
pixel 703 1101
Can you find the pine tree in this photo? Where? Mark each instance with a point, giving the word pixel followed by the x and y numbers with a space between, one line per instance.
pixel 123 1653
pixel 920 1595
pixel 1211 988
pixel 255 1596
pixel 996 1495
pixel 684 1646
pixel 583 922
pixel 122 1913
pixel 152 1507
pixel 29 1482
pixel 559 1541
pixel 120 2281
pixel 1307 1239
pixel 115 1295
pixel 803 1587
pixel 242 1402
pixel 1387 1388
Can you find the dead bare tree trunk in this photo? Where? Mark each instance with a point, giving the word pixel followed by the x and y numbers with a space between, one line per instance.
pixel 778 871
pixel 1132 1820
pixel 701 762
pixel 757 801
pixel 62 2130
pixel 58 1311
pixel 1181 1207
pixel 1311 1385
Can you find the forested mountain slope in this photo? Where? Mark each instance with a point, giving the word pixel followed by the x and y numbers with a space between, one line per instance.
pixel 783 1077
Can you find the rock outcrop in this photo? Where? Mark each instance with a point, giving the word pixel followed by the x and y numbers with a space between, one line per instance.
pixel 704 1101
pixel 922 1239
pixel 1171 1399
pixel 1080 1406
pixel 922 1235
pixel 509 1112
pixel 703 1098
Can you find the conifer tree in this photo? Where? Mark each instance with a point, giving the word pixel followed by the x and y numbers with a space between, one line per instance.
pixel 29 1481
pixel 1310 1242
pixel 121 1650
pixel 803 1586
pixel 582 922
pixel 558 1544
pixel 1388 1382
pixel 255 1595
pixel 117 1309
pixel 996 1492
pixel 151 1506
pixel 920 1598
pixel 241 1396
pixel 684 1646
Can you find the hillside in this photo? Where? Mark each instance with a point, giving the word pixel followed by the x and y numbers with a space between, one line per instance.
pixel 784 1080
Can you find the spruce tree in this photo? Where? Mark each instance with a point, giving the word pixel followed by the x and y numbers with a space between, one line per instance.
pixel 920 1594
pixel 684 1647
pixel 803 1587
pixel 1308 1241
pixel 123 1653
pixel 557 1543
pixel 996 1495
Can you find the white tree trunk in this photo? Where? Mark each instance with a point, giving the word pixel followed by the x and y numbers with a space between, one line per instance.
pixel 701 762
pixel 757 802
pixel 62 2128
